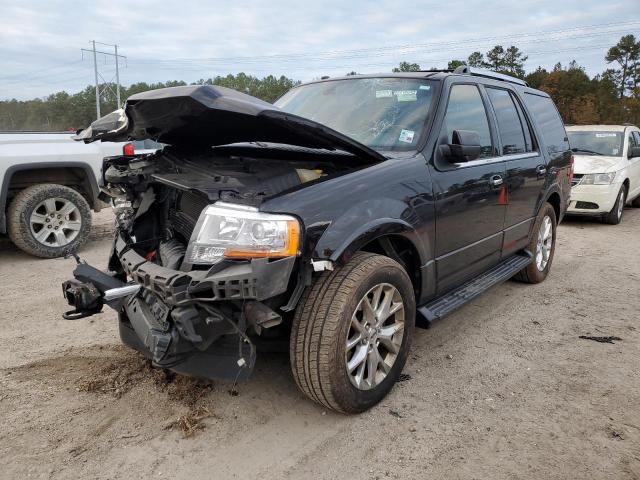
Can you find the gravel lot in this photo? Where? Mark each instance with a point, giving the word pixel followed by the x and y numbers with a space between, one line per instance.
pixel 503 388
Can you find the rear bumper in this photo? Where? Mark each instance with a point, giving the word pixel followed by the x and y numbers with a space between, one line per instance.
pixel 598 199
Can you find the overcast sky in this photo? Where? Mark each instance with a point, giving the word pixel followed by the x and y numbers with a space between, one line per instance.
pixel 40 40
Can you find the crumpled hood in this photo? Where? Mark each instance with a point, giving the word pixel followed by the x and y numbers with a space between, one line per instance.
pixel 205 116
pixel 596 164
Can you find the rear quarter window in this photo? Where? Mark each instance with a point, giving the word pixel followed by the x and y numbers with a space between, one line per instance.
pixel 549 122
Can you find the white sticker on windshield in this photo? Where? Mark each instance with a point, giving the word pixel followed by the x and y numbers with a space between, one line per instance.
pixel 384 93
pixel 406 136
pixel 407 95
pixel 425 87
pixel 603 135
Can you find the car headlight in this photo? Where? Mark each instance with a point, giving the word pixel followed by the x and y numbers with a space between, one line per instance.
pixel 598 178
pixel 227 230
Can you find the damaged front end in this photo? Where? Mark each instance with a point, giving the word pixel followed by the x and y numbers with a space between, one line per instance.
pixel 198 273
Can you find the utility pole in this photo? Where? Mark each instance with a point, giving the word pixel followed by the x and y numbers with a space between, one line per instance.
pixel 117 78
pixel 107 85
pixel 95 71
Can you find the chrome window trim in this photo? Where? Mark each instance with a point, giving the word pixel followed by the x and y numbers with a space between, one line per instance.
pixel 501 158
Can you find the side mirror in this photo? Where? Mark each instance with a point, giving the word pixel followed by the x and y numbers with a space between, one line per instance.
pixel 634 152
pixel 464 146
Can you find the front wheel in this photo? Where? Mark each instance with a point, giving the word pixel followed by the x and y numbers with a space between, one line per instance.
pixel 615 215
pixel 352 332
pixel 542 246
pixel 48 220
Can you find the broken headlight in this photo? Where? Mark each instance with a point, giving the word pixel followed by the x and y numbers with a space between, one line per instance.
pixel 227 230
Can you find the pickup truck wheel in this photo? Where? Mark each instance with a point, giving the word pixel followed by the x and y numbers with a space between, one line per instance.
pixel 542 245
pixel 48 220
pixel 352 332
pixel 615 215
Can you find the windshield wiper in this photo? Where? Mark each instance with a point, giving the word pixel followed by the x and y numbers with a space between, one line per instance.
pixel 586 151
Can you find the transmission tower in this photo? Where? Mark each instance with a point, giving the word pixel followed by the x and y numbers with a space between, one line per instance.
pixel 107 84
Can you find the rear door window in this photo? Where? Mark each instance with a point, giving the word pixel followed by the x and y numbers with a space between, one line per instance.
pixel 466 111
pixel 549 121
pixel 511 123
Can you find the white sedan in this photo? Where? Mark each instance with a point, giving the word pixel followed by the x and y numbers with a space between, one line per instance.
pixel 606 170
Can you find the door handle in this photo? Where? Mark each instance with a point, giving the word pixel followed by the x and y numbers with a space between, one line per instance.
pixel 541 169
pixel 496 181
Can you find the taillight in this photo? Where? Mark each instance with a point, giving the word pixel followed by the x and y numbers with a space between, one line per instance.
pixel 128 150
pixel 571 171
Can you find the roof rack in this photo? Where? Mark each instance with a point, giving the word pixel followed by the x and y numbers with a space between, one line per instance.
pixel 479 72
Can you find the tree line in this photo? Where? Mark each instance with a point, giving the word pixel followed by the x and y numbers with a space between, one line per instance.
pixel 611 97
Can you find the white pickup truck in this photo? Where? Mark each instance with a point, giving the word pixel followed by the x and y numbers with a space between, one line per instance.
pixel 48 186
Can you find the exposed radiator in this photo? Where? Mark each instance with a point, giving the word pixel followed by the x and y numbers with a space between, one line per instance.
pixel 183 219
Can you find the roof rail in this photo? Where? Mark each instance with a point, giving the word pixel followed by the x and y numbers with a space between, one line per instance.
pixel 479 72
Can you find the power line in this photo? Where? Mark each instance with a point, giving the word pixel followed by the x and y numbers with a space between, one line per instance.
pixel 331 59
pixel 306 66
pixel 577 32
pixel 353 54
pixel 40 71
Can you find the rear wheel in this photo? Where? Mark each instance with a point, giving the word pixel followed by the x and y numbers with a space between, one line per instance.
pixel 48 220
pixel 615 215
pixel 351 333
pixel 542 245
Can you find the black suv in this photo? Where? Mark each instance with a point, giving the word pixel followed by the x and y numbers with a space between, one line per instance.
pixel 332 221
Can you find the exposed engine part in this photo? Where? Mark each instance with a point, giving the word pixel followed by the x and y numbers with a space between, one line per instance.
pixel 146 200
pixel 171 253
pixel 127 171
pixel 124 212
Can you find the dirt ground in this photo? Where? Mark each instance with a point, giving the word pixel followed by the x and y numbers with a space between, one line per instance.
pixel 504 388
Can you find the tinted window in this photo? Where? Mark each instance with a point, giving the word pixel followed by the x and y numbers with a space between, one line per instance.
pixel 466 111
pixel 636 141
pixel 510 124
pixel 549 121
pixel 528 136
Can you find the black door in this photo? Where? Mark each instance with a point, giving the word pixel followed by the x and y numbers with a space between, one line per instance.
pixel 469 196
pixel 525 164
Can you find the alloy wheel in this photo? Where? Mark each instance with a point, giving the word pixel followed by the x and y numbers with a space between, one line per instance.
pixel 544 243
pixel 375 336
pixel 620 204
pixel 55 222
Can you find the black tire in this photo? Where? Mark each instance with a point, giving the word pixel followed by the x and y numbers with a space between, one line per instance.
pixel 533 273
pixel 29 201
pixel 636 202
pixel 615 215
pixel 322 323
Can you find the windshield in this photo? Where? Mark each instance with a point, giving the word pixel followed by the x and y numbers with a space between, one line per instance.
pixel 381 113
pixel 596 143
